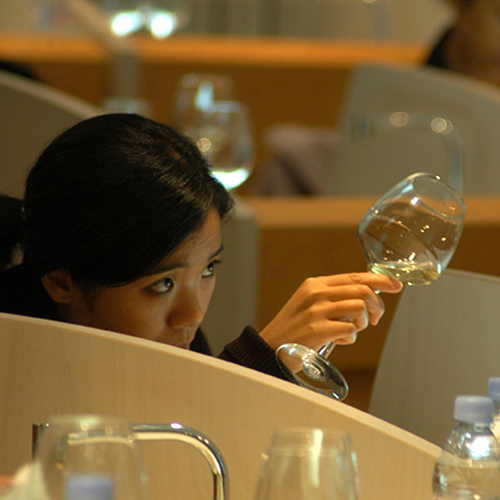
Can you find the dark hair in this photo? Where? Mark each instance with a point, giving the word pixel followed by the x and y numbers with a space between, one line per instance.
pixel 110 198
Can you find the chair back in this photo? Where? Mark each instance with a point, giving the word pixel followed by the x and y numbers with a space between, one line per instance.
pixel 399 120
pixel 49 368
pixel 31 115
pixel 443 341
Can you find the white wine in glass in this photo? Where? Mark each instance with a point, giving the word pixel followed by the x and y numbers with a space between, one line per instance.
pixel 411 233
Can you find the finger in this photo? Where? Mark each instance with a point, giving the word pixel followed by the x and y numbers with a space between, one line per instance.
pixel 354 312
pixel 375 281
pixel 342 332
pixel 348 339
pixel 355 299
pixel 345 332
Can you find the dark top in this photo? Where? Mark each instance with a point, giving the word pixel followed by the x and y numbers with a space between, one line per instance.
pixel 22 293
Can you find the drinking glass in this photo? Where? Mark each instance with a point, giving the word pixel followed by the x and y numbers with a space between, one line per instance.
pixel 205 111
pixel 96 457
pixel 80 456
pixel 309 464
pixel 410 234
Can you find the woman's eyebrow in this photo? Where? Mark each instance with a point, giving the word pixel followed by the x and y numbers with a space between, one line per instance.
pixel 219 251
pixel 178 265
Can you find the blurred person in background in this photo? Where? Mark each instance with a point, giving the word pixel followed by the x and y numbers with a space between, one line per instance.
pixel 472 44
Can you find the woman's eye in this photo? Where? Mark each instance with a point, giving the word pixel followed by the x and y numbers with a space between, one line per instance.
pixel 163 286
pixel 210 269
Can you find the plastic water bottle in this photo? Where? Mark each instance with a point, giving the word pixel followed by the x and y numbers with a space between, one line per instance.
pixel 469 465
pixel 494 394
pixel 89 487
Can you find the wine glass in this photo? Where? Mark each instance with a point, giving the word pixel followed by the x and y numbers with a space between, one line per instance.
pixel 309 464
pixel 410 234
pixel 88 457
pixel 206 112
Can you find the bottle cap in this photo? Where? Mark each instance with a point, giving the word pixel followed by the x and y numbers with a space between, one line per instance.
pixel 89 487
pixel 494 388
pixel 474 409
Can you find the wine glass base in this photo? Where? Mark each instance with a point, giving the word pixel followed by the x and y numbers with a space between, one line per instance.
pixel 306 367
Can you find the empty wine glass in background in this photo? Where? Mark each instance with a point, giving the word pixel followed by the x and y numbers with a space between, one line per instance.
pixel 205 111
pixel 223 133
pixel 409 234
pixel 309 464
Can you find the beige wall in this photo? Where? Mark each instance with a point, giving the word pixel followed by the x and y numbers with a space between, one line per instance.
pixel 15 15
pixel 428 18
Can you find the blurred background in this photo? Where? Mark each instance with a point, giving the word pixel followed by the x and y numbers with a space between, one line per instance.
pixel 397 20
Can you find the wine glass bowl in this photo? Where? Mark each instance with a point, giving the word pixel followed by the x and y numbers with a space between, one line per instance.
pixel 411 233
pixel 309 464
pixel 223 134
pixel 206 111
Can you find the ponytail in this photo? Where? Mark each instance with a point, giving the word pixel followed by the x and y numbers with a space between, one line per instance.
pixel 11 229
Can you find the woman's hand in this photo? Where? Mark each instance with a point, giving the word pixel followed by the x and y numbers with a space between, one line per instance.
pixel 330 308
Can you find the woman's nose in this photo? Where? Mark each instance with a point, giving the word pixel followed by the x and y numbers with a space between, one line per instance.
pixel 188 311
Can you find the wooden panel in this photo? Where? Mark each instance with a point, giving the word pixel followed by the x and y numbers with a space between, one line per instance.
pixel 48 368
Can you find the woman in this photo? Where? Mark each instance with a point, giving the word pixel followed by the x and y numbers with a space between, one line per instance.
pixel 120 230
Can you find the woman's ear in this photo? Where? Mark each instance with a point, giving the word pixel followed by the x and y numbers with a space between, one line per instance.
pixel 58 284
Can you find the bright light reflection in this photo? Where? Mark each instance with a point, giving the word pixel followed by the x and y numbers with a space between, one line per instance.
pixel 163 24
pixel 204 96
pixel 399 119
pixel 159 23
pixel 414 200
pixel 479 447
pixel 125 23
pixel 441 126
pixel 204 144
pixel 233 179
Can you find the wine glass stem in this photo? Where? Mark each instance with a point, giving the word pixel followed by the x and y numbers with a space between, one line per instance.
pixel 327 349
